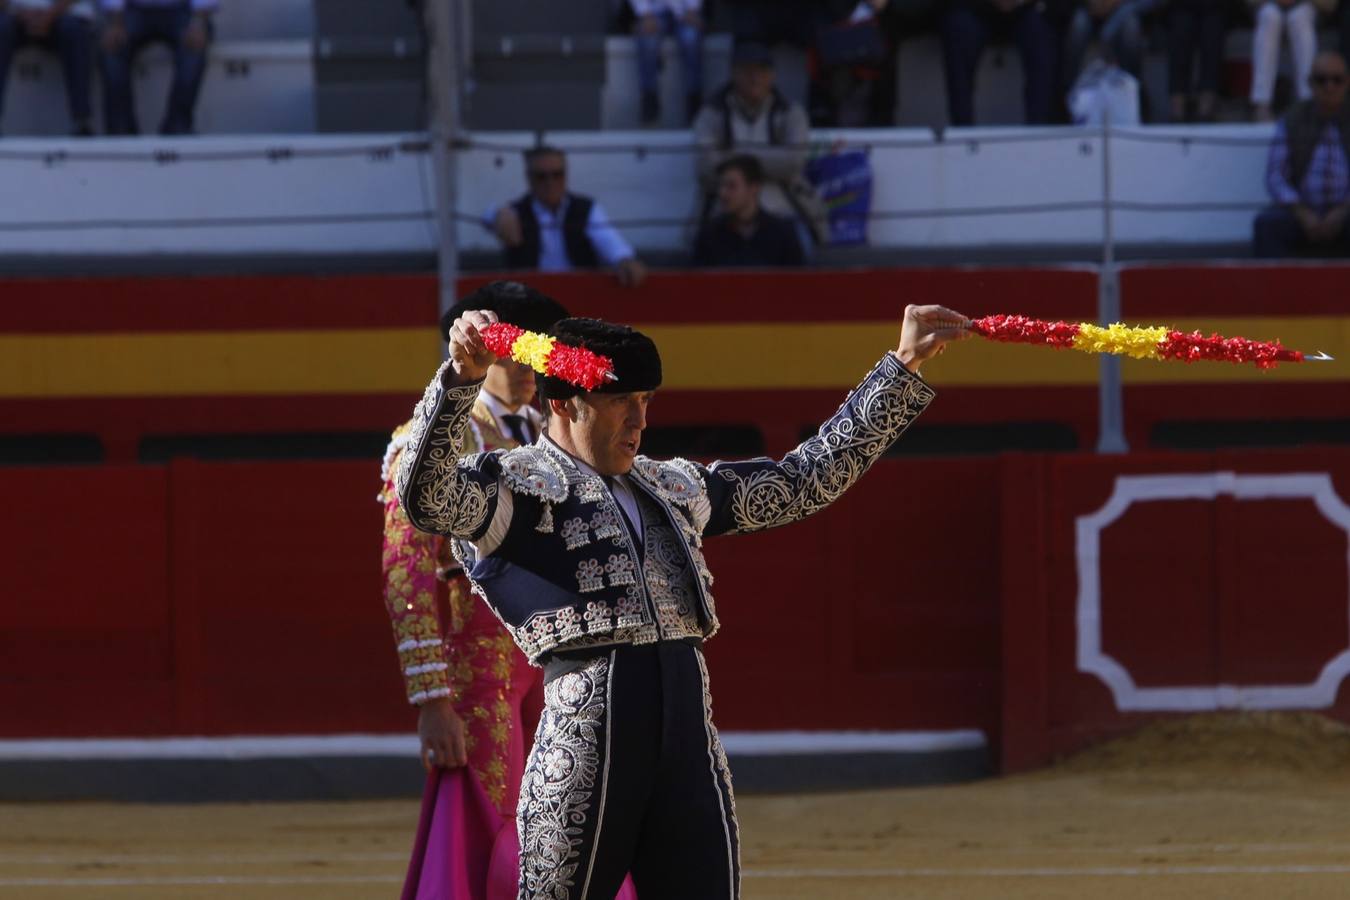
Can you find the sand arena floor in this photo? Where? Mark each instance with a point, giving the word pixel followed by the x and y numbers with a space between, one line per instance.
pixel 1221 807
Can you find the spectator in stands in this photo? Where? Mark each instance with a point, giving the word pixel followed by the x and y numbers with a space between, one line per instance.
pixel 1273 19
pixel 744 234
pixel 751 116
pixel 65 27
pixel 1343 17
pixel 1308 171
pixel 1195 28
pixel 684 20
pixel 553 230
pixel 772 22
pixel 1118 24
pixel 854 57
pixel 183 25
pixel 966 27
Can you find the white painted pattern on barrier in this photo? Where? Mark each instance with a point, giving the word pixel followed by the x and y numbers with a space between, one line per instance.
pixel 1131 489
pixel 744 743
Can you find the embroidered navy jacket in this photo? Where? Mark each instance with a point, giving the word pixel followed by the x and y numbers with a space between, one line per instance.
pixel 544 542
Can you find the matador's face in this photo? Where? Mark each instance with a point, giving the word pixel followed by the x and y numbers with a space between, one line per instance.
pixel 607 429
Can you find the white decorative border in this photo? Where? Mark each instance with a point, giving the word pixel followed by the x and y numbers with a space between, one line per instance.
pixel 738 743
pixel 1318 694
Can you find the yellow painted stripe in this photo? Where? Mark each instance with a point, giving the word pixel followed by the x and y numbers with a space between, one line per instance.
pixel 836 355
pixel 216 363
pixel 697 357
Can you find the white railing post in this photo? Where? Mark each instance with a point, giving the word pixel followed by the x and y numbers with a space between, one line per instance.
pixel 1110 402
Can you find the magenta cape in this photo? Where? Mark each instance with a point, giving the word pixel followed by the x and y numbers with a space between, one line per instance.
pixel 464 849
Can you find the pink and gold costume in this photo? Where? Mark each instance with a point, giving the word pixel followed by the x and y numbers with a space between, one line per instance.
pixel 451 645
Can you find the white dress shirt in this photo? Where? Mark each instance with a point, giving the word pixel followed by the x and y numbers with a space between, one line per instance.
pixel 609 244
pixel 499 409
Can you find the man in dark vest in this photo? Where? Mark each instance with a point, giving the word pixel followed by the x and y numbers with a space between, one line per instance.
pixel 591 554
pixel 552 230
pixel 1308 172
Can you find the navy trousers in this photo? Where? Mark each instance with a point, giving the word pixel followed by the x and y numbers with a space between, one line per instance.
pixel 71 38
pixel 1276 234
pixel 967 27
pixel 147 25
pixel 627 774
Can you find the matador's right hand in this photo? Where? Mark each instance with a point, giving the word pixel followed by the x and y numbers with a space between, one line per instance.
pixel 468 353
pixel 926 331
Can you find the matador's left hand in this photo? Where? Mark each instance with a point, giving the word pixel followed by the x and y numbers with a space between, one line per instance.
pixel 926 332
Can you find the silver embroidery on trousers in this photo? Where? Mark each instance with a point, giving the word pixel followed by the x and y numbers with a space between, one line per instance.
pixel 559 793
pixel 722 773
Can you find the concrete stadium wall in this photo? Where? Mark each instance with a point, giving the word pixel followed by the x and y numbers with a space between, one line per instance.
pixel 343 195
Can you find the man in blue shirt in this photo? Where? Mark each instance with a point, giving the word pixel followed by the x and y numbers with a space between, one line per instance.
pixel 1307 172
pixel 553 230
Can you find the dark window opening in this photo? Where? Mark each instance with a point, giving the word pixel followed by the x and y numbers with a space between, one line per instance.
pixel 985 438
pixel 1184 435
pixel 253 447
pixel 50 449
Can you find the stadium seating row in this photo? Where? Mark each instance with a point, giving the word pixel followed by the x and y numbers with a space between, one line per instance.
pixel 274 63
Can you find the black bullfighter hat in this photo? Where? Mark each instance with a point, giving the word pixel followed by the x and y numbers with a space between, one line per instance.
pixel 637 363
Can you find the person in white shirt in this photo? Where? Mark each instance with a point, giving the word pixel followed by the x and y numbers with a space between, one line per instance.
pixel 66 27
pixel 684 20
pixel 185 26
pixel 552 230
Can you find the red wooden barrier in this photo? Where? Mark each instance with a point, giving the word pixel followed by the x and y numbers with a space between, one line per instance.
pixel 1154 584
pixel 245 598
